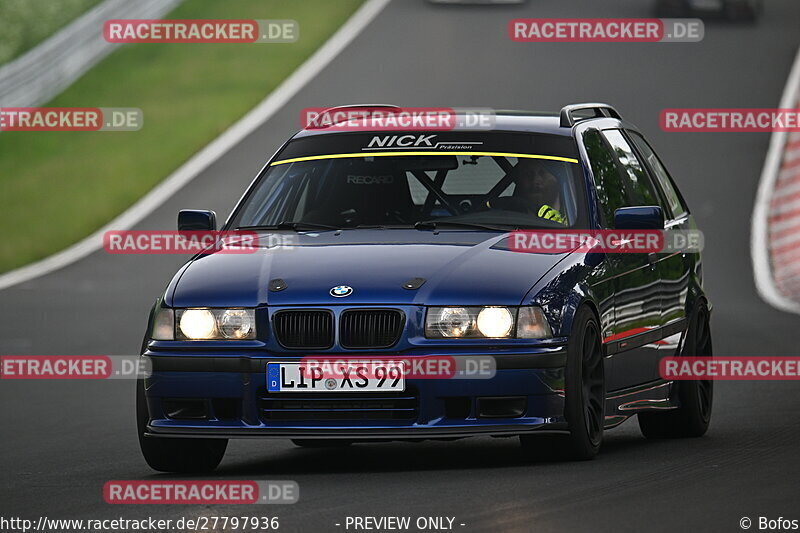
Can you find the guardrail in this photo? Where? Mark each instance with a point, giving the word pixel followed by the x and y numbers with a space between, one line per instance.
pixel 44 71
pixel 775 233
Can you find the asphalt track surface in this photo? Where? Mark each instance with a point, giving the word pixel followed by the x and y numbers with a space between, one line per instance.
pixel 61 441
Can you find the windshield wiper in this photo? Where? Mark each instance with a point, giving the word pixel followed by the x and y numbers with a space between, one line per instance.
pixel 296 226
pixel 300 226
pixel 436 224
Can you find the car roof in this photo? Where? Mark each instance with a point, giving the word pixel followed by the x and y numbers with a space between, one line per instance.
pixel 560 124
pixel 504 120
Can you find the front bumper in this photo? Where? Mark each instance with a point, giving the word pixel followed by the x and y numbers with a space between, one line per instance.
pixel 231 401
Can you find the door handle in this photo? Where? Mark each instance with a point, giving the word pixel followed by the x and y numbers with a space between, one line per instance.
pixel 652 258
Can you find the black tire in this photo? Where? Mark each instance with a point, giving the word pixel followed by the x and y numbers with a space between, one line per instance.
pixel 585 394
pixel 175 454
pixel 696 398
pixel 322 443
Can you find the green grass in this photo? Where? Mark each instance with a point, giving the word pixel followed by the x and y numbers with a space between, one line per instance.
pixel 58 187
pixel 26 23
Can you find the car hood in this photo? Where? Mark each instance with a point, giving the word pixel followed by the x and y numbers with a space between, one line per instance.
pixel 459 268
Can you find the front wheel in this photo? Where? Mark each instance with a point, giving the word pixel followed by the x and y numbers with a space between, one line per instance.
pixel 175 454
pixel 585 392
pixel 696 398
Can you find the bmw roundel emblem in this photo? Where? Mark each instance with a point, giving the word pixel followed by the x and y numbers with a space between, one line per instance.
pixel 340 291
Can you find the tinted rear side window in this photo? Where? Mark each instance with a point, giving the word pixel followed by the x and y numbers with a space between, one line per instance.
pixel 661 174
pixel 639 188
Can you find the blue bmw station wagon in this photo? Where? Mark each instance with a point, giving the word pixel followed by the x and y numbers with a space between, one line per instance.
pixel 379 246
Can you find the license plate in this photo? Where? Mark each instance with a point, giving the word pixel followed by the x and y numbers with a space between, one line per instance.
pixel 369 376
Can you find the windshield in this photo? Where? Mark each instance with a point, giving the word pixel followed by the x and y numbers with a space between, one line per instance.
pixel 407 189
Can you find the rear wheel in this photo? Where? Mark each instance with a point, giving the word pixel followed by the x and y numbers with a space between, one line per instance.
pixel 696 398
pixel 584 393
pixel 175 454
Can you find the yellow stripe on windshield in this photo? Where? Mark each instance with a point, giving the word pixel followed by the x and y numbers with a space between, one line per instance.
pixel 384 154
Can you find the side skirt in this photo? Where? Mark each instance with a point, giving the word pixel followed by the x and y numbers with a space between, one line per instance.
pixel 622 404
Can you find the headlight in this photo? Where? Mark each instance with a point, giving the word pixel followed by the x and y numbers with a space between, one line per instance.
pixel 215 324
pixel 198 324
pixel 454 322
pixel 493 322
pixel 236 324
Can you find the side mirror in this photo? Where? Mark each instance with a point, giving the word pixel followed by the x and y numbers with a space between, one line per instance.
pixel 649 217
pixel 196 220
